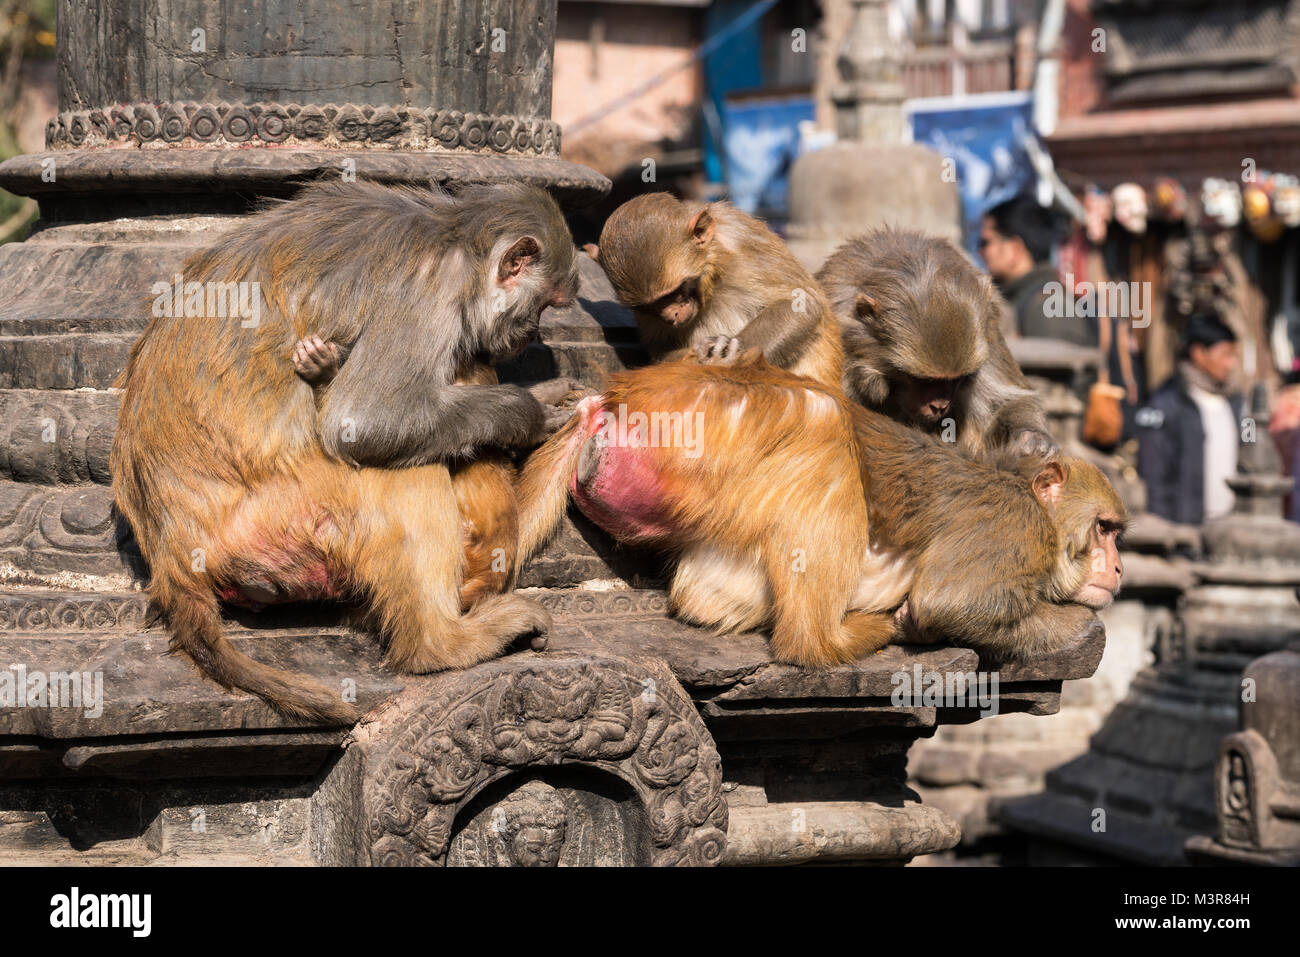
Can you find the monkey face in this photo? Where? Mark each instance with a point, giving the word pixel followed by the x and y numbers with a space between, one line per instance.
pixel 679 306
pixel 1089 517
pixel 925 402
pixel 527 283
pixel 1105 569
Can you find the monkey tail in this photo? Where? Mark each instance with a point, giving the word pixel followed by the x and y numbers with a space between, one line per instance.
pixel 196 629
pixel 545 482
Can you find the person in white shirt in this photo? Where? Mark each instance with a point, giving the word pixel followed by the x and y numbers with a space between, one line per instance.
pixel 1190 429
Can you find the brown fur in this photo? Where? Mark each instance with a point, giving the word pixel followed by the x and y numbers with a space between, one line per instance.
pixel 489 514
pixel 228 471
pixel 743 283
pixel 915 313
pixel 770 524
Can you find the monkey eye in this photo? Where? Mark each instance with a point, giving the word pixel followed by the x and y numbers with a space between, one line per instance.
pixel 1110 527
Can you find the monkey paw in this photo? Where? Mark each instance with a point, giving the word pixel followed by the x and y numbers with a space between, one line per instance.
pixel 559 391
pixel 718 350
pixel 315 360
pixel 554 417
pixel 1033 442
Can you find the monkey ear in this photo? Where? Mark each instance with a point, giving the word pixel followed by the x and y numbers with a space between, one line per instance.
pixel 1049 482
pixel 592 250
pixel 864 306
pixel 701 227
pixel 523 251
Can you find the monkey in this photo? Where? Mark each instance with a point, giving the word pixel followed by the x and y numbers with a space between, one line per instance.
pixel 231 470
pixel 923 343
pixel 484 487
pixel 1010 555
pixel 833 526
pixel 709 279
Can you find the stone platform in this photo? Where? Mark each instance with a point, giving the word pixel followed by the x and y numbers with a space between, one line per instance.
pixel 171 749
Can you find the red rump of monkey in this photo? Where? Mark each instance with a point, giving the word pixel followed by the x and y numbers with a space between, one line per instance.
pixel 791 509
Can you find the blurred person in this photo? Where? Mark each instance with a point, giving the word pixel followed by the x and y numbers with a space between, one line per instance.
pixel 1016 244
pixel 1189 431
pixel 1284 426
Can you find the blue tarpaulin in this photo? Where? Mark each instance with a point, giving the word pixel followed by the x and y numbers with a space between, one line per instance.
pixel 762 141
pixel 985 136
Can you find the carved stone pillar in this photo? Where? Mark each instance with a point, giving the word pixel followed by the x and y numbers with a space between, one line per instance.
pixel 1257 775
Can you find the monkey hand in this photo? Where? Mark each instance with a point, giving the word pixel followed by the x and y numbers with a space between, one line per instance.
pixel 559 398
pixel 561 391
pixel 718 350
pixel 317 362
pixel 1035 443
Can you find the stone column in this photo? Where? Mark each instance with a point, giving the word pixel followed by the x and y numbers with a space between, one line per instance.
pixel 192 105
pixel 870 177
pixel 1257 774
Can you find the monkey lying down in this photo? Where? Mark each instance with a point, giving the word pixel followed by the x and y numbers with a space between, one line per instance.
pixel 829 524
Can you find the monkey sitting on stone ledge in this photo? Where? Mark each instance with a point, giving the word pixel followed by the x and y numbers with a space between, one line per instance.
pixel 242 483
pixel 710 281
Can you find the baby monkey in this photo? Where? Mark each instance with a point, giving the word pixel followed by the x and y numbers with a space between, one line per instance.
pixel 708 280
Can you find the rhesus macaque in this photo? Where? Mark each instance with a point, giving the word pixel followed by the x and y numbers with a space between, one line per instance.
pixel 484 486
pixel 240 484
pixel 832 525
pixel 923 342
pixel 710 280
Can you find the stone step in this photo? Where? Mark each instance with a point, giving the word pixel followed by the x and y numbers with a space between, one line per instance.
pixel 59 283
pixel 64 361
pixel 147 692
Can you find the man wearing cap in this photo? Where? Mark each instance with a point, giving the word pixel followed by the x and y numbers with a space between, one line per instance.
pixel 1189 430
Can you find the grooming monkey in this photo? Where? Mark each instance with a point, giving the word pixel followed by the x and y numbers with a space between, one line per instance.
pixel 484 486
pixel 239 484
pixel 832 525
pixel 710 280
pixel 923 342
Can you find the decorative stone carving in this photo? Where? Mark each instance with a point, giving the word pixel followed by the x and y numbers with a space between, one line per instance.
pixel 163 125
pixel 67 612
pixel 1257 775
pixel 47 529
pixel 627 720
pixel 527 829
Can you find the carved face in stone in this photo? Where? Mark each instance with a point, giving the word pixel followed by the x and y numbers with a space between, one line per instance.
pixel 533 822
pixel 536 846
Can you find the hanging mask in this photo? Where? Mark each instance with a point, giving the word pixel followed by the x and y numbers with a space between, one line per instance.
pixel 1221 200
pixel 1170 200
pixel 1286 199
pixel 1131 207
pixel 1257 210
